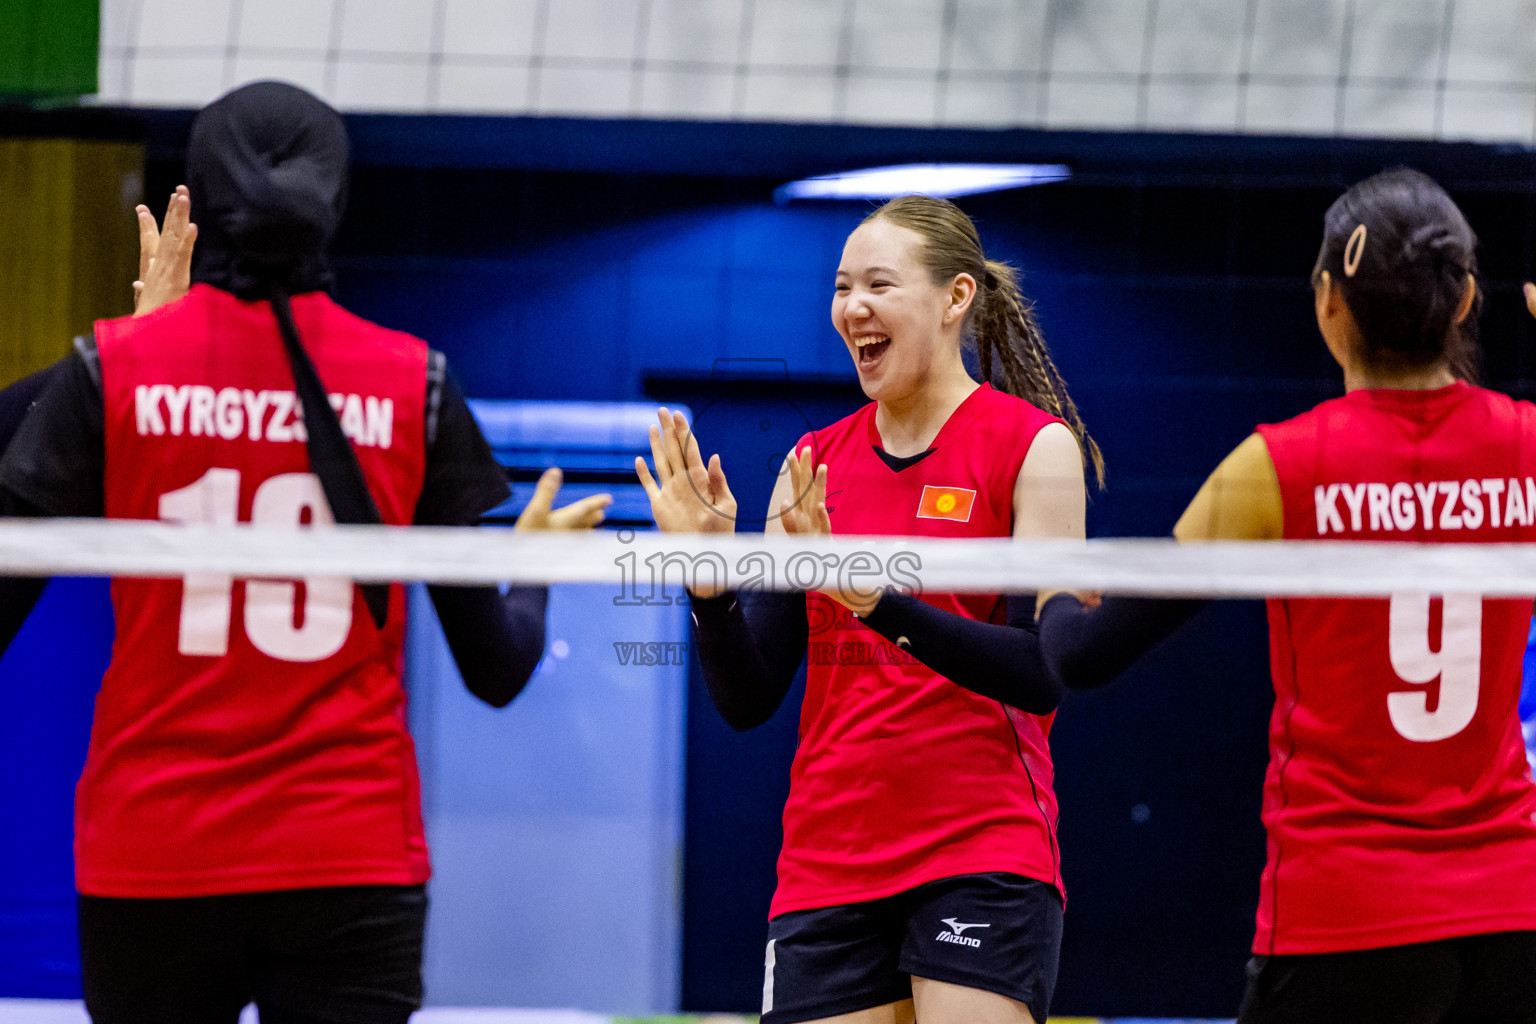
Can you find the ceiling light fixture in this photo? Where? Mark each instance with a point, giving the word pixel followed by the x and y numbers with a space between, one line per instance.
pixel 945 180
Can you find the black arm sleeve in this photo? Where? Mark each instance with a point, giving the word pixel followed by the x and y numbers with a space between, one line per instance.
pixel 17 399
pixel 56 463
pixel 750 644
pixel 18 594
pixel 43 459
pixel 463 480
pixel 996 661
pixel 497 640
pixel 1088 648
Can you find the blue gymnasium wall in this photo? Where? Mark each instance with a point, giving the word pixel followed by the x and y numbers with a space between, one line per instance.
pixel 622 260
pixel 48 681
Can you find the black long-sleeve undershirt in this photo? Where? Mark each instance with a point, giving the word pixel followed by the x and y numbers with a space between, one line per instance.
pixel 20 594
pixel 1086 648
pixel 1002 662
pixel 496 640
pixel 750 645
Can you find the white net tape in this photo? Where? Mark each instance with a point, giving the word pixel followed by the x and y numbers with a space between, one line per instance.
pixel 635 563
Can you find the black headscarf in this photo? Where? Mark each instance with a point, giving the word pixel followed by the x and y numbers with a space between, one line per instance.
pixel 267 169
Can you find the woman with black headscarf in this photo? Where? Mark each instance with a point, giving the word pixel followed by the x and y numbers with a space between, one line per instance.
pixel 248 824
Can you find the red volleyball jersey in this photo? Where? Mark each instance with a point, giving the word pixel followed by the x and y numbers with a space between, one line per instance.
pixel 249 734
pixel 1398 802
pixel 901 777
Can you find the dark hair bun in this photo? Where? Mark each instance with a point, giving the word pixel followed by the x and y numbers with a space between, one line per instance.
pixel 1400 250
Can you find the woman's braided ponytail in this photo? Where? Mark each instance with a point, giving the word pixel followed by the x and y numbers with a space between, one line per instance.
pixel 1010 350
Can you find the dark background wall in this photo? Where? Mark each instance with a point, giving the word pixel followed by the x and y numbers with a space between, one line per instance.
pixel 620 260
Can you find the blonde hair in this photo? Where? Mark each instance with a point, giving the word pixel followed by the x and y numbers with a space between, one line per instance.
pixel 1001 321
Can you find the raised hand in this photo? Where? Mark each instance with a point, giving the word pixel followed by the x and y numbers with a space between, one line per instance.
pixel 578 515
pixel 805 515
pixel 687 495
pixel 165 256
pixel 806 510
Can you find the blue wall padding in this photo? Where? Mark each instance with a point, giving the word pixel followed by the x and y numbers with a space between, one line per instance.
pixel 48 682
pixel 556 823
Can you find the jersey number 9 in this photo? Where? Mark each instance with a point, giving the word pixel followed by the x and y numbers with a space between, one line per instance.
pixel 271 606
pixel 1458 664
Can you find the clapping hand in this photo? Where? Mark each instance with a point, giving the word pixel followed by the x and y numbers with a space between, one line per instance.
pixel 687 496
pixel 165 256
pixel 806 510
pixel 578 515
pixel 805 515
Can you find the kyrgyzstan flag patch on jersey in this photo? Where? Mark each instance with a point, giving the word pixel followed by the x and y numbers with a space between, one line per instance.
pixel 946 503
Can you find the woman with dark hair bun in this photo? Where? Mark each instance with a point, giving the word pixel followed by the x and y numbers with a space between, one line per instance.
pixel 1401 879
pixel 920 870
pixel 1409 300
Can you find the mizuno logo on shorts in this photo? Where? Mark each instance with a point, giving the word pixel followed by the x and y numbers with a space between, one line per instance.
pixel 956 933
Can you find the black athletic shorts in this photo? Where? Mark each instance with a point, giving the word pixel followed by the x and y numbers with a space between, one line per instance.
pixel 344 955
pixel 1476 979
pixel 997 932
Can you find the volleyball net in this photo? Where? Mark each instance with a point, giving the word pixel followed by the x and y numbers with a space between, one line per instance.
pixel 638 564
pixel 637 570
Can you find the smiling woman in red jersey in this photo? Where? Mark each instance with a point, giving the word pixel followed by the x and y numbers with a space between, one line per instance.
pixel 920 871
pixel 1400 885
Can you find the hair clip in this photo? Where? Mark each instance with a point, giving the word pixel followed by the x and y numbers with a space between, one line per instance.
pixel 1357 244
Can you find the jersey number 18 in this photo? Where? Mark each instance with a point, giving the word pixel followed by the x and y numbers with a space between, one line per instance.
pixel 271 606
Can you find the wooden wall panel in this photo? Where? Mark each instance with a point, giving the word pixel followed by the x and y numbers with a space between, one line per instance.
pixel 68 243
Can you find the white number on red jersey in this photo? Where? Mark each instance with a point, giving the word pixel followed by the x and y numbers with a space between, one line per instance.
pixel 270 605
pixel 1458 664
